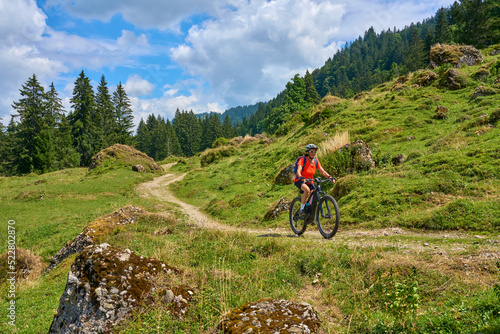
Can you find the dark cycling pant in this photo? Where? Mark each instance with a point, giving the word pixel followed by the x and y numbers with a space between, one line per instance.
pixel 299 184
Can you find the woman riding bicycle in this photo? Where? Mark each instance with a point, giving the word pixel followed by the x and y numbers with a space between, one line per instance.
pixel 306 172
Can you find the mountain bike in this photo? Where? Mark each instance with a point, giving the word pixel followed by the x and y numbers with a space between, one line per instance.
pixel 320 207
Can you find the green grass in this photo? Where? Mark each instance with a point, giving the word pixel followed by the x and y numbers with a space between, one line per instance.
pixel 450 179
pixel 449 183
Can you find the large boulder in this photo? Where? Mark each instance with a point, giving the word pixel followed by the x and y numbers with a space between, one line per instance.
pixel 123 155
pixel 361 155
pixel 277 208
pixel 271 316
pixel 452 80
pixel 457 55
pixel 104 285
pixel 96 229
pixel 285 175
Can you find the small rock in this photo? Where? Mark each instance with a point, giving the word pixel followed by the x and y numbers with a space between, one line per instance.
pixel 114 291
pixel 169 297
pixel 316 281
pixel 426 244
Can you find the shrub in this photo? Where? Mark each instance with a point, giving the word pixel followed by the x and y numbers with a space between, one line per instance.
pixel 212 155
pixel 221 141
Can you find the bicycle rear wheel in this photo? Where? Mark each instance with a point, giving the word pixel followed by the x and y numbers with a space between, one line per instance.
pixel 298 225
pixel 328 216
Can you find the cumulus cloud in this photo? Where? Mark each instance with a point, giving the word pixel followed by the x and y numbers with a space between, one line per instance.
pixel 159 14
pixel 137 86
pixel 251 51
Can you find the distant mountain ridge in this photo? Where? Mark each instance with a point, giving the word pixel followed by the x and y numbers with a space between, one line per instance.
pixel 236 114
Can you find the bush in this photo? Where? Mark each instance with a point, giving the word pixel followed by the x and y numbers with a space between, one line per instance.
pixel 221 141
pixel 212 155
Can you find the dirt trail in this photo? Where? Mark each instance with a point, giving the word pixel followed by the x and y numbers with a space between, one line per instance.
pixel 159 187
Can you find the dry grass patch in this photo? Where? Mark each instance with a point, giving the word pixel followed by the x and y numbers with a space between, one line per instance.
pixel 332 144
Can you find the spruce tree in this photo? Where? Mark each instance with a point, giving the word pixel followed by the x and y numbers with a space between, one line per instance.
pixel 66 154
pixel 415 56
pixel 143 137
pixel 443 33
pixel 172 143
pixel 31 109
pixel 105 109
pixel 312 95
pixel 227 129
pixel 83 120
pixel 188 131
pixel 123 115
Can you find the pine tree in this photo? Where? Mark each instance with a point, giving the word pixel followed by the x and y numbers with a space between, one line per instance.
pixel 188 131
pixel 415 56
pixel 312 95
pixel 443 33
pixel 172 143
pixel 105 109
pixel 83 120
pixel 227 128
pixel 31 110
pixel 143 137
pixel 66 154
pixel 54 108
pixel 473 23
pixel 123 114
pixel 12 159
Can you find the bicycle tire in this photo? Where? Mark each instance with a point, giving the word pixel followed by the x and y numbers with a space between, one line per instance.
pixel 328 221
pixel 298 225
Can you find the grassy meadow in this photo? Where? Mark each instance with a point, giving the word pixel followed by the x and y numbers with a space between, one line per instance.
pixel 417 250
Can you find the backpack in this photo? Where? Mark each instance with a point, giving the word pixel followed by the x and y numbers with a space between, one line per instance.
pixel 303 164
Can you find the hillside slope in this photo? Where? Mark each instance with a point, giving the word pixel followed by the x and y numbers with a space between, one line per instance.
pixel 449 140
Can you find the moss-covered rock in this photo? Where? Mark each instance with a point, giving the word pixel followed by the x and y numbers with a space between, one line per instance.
pixel 452 80
pixel 95 230
pixel 285 176
pixel 483 91
pixel 123 155
pixel 456 55
pixel 104 284
pixel 271 316
pixel 277 208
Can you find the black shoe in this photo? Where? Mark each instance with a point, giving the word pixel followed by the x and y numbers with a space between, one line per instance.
pixel 301 215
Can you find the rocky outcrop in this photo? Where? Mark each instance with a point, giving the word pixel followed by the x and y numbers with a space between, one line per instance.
pixel 91 233
pixel 361 155
pixel 271 316
pixel 138 168
pixel 285 176
pixel 483 91
pixel 104 284
pixel 453 80
pixel 125 155
pixel 457 55
pixel 277 208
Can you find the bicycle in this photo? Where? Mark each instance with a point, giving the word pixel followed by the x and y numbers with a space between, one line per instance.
pixel 327 213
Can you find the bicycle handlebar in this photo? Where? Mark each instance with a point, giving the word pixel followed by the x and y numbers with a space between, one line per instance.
pixel 319 180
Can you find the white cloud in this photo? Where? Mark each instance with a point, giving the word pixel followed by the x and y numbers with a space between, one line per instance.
pixel 137 86
pixel 159 14
pixel 249 53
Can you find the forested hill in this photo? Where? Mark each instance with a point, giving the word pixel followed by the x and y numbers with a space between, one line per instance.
pixel 376 58
pixel 235 114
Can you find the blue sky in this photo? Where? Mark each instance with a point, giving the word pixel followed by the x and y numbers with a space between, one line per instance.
pixel 200 55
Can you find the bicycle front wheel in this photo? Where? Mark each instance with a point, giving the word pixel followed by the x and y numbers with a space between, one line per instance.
pixel 298 225
pixel 328 216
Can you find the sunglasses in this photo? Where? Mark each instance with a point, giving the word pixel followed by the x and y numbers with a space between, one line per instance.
pixel 311 151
